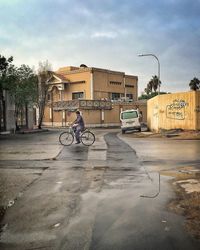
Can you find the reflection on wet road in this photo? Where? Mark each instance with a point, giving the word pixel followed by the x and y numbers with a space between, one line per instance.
pixel 112 213
pixel 123 219
pixel 166 150
pixel 74 152
pixel 119 152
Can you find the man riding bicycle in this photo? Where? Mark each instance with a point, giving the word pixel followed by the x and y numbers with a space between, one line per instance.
pixel 78 126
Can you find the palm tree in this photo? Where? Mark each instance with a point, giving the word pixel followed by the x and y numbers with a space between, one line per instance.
pixel 150 86
pixel 155 83
pixel 194 84
pixel 146 90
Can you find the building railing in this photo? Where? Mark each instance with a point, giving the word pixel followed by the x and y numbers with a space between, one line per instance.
pixel 82 104
pixel 74 105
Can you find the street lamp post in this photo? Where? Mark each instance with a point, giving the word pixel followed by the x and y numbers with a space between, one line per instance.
pixel 158 68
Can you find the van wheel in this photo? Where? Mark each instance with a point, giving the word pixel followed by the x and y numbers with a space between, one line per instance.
pixel 123 131
pixel 139 129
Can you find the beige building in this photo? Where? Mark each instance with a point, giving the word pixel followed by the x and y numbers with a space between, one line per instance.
pixel 99 93
pixel 93 84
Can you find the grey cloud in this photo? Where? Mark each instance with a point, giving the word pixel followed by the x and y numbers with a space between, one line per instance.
pixel 107 33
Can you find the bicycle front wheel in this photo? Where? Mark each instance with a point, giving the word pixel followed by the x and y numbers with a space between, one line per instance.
pixel 66 138
pixel 87 138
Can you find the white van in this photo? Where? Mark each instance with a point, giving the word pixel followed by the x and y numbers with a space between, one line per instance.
pixel 130 120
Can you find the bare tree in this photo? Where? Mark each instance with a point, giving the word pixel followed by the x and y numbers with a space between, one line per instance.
pixel 44 74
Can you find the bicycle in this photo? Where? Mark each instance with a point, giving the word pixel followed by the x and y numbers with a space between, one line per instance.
pixel 67 138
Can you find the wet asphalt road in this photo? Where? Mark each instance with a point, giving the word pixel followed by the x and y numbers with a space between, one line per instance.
pixel 90 198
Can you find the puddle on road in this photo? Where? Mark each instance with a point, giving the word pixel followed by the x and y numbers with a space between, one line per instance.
pixel 78 168
pixel 3 228
pixel 100 167
pixel 98 149
pixel 2 212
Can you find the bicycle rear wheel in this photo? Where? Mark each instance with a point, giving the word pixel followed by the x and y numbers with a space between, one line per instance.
pixel 66 138
pixel 87 138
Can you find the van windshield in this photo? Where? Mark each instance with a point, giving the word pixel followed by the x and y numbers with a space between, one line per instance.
pixel 129 115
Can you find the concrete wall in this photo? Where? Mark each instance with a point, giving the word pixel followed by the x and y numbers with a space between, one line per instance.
pixel 99 118
pixel 10 114
pixel 173 111
pixel 107 82
pixel 80 83
pixel 102 86
pixel 197 110
pixel 131 86
pixel 30 118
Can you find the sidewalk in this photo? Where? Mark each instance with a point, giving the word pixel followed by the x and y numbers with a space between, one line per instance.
pixel 30 145
pixel 24 157
pixel 22 162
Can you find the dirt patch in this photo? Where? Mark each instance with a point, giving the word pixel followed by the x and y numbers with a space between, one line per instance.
pixel 168 134
pixel 187 135
pixel 142 135
pixel 187 202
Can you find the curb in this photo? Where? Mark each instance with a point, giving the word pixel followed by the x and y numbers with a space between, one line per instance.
pixel 32 131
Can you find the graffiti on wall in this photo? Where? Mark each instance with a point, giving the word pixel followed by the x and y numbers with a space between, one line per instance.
pixel 197 109
pixel 176 109
pixel 155 111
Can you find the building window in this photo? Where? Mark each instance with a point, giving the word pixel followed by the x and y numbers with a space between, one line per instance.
pixel 129 86
pixel 49 97
pixel 77 95
pixel 115 96
pixel 115 83
pixel 78 82
pixel 129 96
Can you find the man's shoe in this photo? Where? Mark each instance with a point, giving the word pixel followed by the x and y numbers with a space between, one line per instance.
pixel 77 142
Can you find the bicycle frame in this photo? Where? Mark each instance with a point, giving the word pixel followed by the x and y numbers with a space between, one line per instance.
pixel 72 130
pixel 86 137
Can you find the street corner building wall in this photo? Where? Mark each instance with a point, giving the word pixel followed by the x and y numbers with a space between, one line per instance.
pixel 174 111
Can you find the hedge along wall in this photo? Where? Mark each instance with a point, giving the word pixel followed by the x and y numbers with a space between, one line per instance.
pixel 173 111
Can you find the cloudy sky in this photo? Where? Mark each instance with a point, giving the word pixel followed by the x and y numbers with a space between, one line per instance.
pixel 106 34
